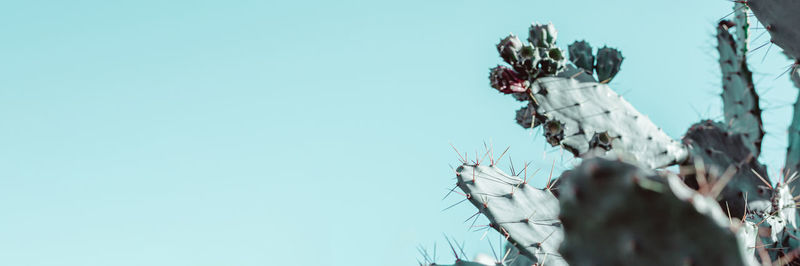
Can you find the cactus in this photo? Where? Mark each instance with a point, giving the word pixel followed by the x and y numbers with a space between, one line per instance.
pixel 507 80
pixel 586 108
pixel 572 106
pixel 715 149
pixel 619 206
pixel 739 97
pixel 526 215
pixel 611 202
pixel 793 151
pixel 747 239
pixel 741 23
pixel 780 19
pixel 515 258
pixel 542 35
pixel 608 63
pixel 580 54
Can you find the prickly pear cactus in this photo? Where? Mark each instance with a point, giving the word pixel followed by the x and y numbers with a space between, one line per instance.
pixel 780 19
pixel 722 208
pixel 574 111
pixel 515 258
pixel 526 215
pixel 572 107
pixel 612 203
pixel 739 97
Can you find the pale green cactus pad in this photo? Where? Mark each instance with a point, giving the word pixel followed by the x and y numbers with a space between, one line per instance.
pixel 526 215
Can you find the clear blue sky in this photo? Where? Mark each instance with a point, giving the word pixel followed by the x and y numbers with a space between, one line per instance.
pixel 298 132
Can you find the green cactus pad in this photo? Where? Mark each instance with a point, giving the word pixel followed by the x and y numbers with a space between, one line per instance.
pixel 615 213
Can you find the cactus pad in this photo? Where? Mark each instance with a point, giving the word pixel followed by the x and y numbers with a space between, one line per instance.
pixel 526 215
pixel 780 18
pixel 615 213
pixel 586 108
pixel 717 149
pixel 739 97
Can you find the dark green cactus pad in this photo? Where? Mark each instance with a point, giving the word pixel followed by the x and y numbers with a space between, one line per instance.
pixel 718 149
pixel 615 213
pixel 780 18
pixel 740 101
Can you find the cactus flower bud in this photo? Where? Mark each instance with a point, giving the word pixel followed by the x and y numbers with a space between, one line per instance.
pixel 542 35
pixel 509 49
pixel 507 80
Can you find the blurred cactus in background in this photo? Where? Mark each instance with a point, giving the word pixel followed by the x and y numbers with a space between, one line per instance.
pixel 620 205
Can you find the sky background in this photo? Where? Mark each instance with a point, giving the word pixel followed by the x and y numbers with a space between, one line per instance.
pixel 301 132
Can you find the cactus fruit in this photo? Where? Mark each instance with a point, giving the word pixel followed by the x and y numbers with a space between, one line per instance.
pixel 507 81
pixel 609 213
pixel 525 116
pixel 542 35
pixel 608 62
pixel 509 49
pixel 739 97
pixel 526 215
pixel 780 19
pixel 580 54
pixel 539 57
